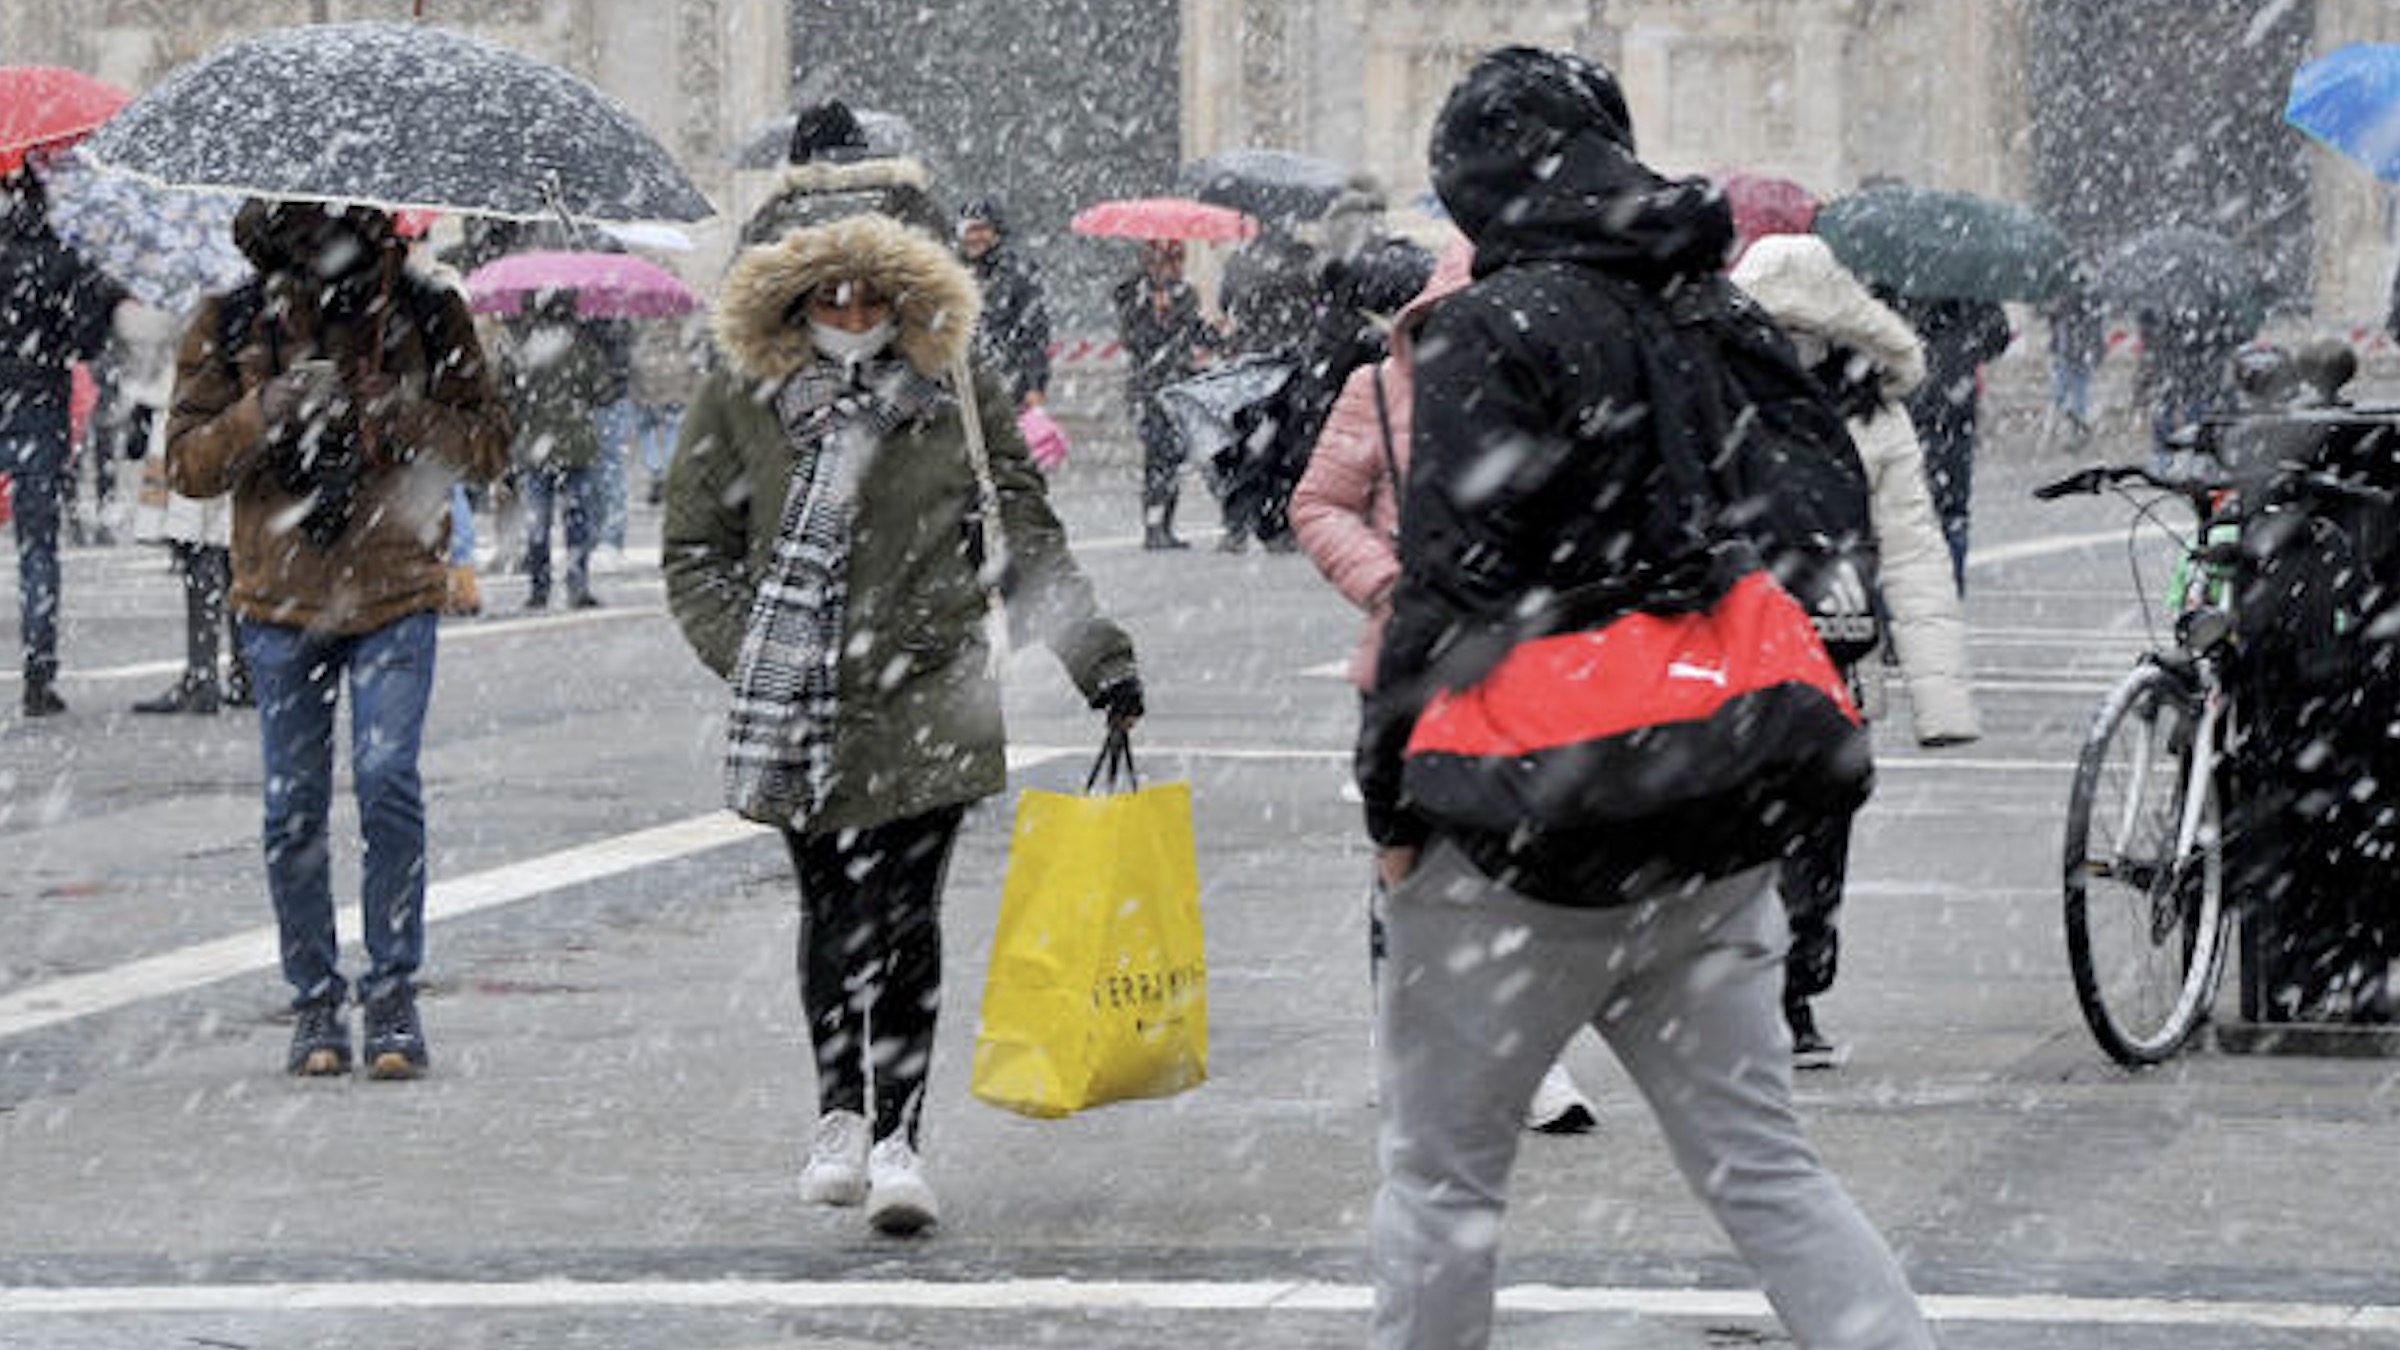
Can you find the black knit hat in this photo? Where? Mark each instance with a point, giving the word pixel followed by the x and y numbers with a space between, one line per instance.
pixel 988 210
pixel 827 130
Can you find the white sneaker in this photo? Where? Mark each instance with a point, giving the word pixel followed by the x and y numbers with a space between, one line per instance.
pixel 837 1162
pixel 898 1200
pixel 1559 1107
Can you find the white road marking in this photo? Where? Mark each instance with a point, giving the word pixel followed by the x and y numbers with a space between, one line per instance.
pixel 185 968
pixel 1058 1295
pixel 2042 547
pixel 72 996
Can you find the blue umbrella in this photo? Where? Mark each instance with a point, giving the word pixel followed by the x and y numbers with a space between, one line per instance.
pixel 2349 99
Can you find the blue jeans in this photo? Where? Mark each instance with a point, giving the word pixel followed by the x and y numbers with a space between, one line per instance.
pixel 617 424
pixel 540 487
pixel 36 462
pixel 297 676
pixel 462 527
pixel 655 428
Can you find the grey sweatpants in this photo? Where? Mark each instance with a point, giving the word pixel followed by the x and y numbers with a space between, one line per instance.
pixel 1484 987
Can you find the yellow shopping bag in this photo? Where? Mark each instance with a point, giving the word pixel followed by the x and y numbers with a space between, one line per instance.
pixel 1098 989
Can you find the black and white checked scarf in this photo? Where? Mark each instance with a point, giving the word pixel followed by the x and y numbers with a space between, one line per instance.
pixel 779 736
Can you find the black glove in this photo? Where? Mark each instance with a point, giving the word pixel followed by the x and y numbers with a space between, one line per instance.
pixel 1121 699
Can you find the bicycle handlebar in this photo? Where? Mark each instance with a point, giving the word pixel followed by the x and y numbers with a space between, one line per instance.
pixel 2318 482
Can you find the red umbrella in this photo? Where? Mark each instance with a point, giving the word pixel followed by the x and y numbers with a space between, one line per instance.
pixel 606 285
pixel 1162 218
pixel 1763 205
pixel 45 107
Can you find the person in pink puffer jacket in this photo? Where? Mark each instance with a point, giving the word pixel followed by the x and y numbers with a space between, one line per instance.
pixel 1346 512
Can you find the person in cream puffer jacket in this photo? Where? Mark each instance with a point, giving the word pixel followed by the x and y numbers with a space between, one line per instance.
pixel 1869 358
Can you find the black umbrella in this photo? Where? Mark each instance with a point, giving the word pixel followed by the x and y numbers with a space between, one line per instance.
pixel 1268 184
pixel 397 115
pixel 768 144
pixel 2192 280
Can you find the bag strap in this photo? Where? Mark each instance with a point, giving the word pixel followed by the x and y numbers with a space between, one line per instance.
pixel 1383 420
pixel 1116 757
pixel 987 496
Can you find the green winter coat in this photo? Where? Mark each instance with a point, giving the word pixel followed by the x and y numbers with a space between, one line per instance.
pixel 919 725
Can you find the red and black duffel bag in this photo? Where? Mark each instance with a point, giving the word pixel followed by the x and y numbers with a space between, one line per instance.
pixel 1648 716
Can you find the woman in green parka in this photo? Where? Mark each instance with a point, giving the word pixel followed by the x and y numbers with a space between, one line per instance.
pixel 825 547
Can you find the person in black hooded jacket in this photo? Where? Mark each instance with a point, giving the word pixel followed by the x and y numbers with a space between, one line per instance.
pixel 1543 394
pixel 54 308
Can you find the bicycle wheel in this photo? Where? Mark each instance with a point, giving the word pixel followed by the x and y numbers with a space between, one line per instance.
pixel 2145 903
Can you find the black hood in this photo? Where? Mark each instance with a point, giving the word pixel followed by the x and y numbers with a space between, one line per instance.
pixel 1533 158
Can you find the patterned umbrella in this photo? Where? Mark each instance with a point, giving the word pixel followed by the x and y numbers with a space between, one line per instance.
pixel 43 107
pixel 167 248
pixel 606 285
pixel 397 115
pixel 1162 218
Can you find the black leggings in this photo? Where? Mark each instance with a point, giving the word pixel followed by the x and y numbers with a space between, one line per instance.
pixel 870 961
pixel 1810 881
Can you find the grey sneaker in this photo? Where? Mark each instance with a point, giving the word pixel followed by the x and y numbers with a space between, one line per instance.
pixel 320 1041
pixel 837 1161
pixel 898 1200
pixel 395 1040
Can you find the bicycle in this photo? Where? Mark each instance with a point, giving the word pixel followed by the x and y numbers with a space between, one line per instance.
pixel 2147 919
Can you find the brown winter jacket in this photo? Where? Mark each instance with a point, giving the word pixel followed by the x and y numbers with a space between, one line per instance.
pixel 447 424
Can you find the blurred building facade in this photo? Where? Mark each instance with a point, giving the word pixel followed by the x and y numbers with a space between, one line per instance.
pixel 2112 116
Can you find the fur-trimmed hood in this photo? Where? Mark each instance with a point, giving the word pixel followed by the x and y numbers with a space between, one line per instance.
pixel 936 299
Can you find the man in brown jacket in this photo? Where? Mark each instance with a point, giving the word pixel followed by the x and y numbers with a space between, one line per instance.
pixel 337 398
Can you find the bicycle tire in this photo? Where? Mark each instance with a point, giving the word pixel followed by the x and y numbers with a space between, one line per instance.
pixel 2146 920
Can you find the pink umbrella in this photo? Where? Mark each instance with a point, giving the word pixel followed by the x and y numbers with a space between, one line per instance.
pixel 1763 205
pixel 606 285
pixel 1162 218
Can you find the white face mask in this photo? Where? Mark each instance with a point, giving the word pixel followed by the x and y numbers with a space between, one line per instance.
pixel 847 347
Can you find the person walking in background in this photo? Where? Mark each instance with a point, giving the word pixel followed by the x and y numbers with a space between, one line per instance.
pixel 1868 359
pixel 336 398
pixel 614 415
pixel 824 551
pixel 1165 337
pixel 557 368
pixel 1273 299
pixel 1362 289
pixel 198 534
pixel 54 310
pixel 1959 336
pixel 833 172
pixel 1270 292
pixel 1346 514
pixel 2078 341
pixel 668 356
pixel 2186 372
pixel 1014 337
pixel 1550 397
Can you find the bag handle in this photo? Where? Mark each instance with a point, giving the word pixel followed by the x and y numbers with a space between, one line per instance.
pixel 1115 757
